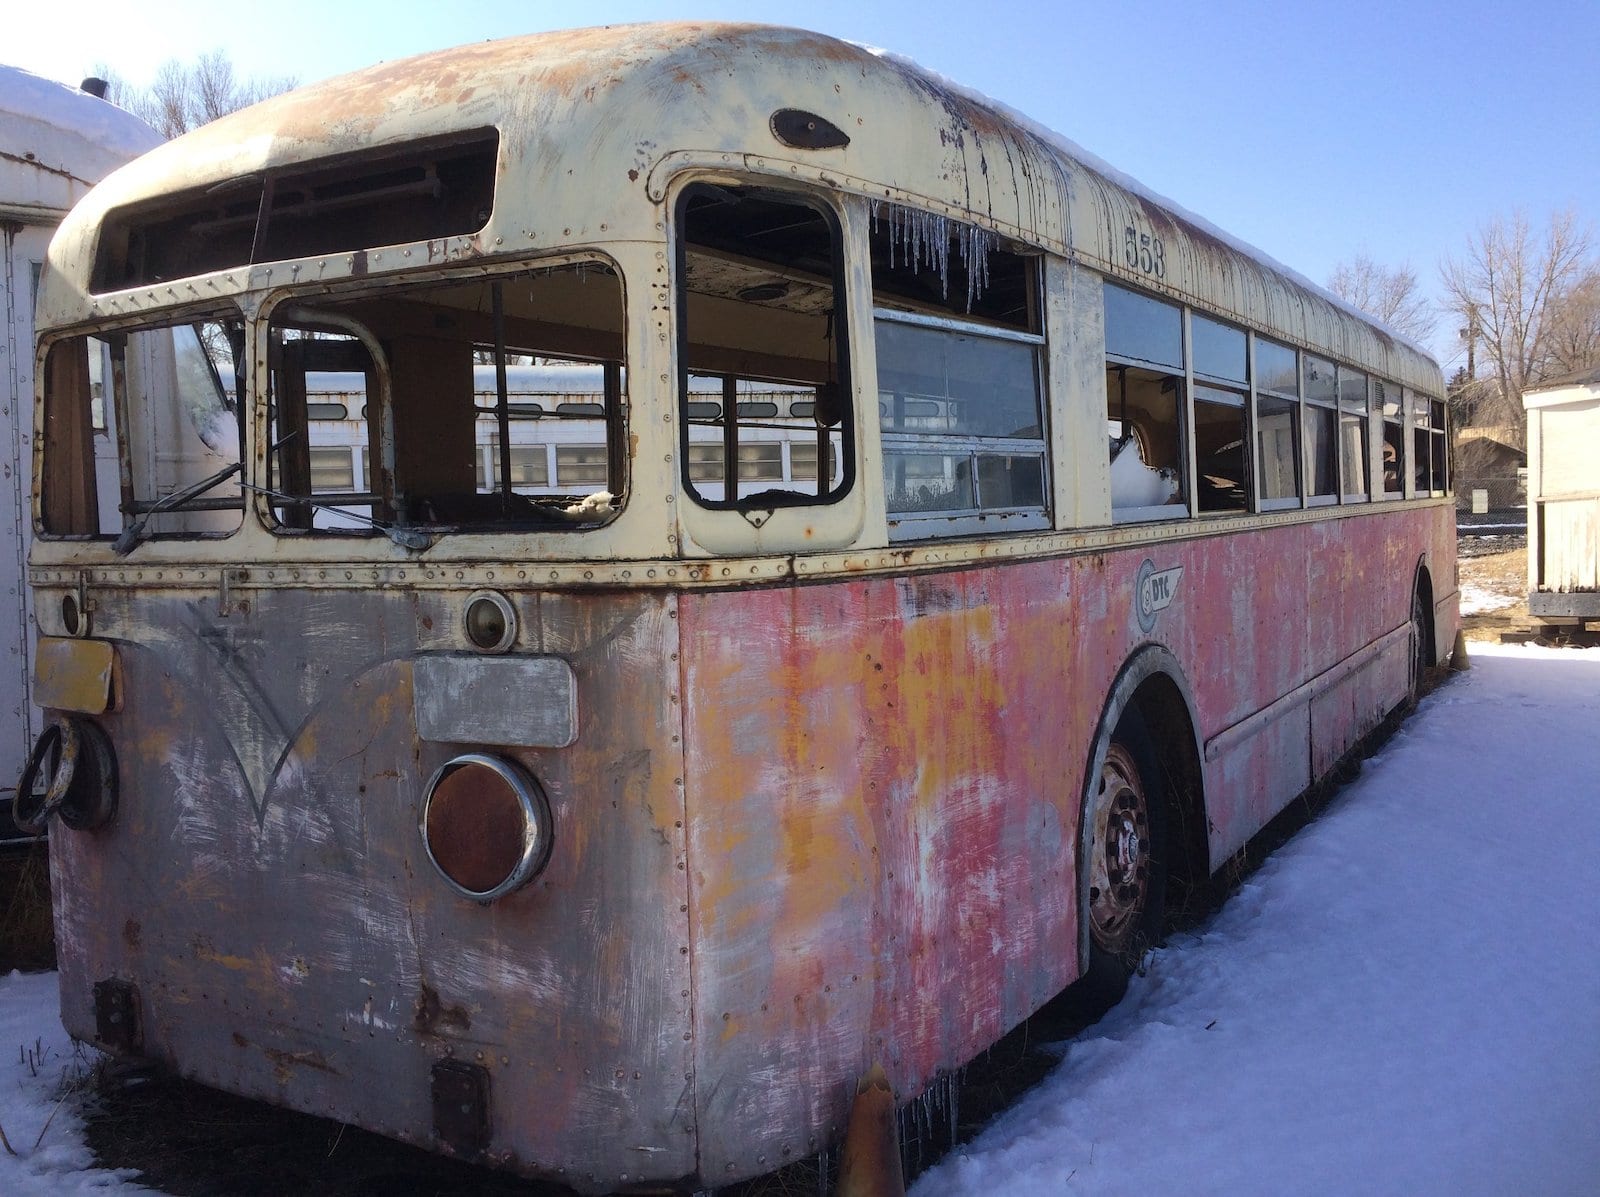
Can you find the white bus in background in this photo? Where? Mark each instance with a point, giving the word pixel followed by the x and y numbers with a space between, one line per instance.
pixel 556 422
pixel 55 143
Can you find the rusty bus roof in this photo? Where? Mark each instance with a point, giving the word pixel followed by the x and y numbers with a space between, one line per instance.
pixel 594 122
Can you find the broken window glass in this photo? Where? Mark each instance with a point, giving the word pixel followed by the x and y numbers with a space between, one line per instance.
pixel 142 433
pixel 462 386
pixel 1144 411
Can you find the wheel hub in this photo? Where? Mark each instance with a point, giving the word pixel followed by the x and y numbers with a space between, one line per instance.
pixel 1120 864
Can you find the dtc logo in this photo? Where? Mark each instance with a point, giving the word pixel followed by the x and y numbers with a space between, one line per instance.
pixel 1154 592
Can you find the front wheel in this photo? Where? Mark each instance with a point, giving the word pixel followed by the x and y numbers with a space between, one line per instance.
pixel 1126 862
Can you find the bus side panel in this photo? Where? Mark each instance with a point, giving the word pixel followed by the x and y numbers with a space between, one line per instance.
pixel 265 890
pixel 1236 619
pixel 1237 624
pixel 1335 587
pixel 884 778
pixel 1353 602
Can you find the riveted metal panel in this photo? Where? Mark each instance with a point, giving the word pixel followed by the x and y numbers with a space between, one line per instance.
pixel 265 888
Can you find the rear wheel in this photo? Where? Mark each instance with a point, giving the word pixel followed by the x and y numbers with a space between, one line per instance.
pixel 1419 646
pixel 1127 873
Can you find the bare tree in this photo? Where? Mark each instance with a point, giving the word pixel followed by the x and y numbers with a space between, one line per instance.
pixel 1574 342
pixel 1389 295
pixel 1522 299
pixel 185 97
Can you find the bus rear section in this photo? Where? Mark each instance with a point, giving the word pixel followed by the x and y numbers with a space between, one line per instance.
pixel 263 914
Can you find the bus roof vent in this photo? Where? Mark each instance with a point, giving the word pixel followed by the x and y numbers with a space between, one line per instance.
pixel 442 187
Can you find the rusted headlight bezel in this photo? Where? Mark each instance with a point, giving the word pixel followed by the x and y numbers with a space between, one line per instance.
pixel 482 611
pixel 533 851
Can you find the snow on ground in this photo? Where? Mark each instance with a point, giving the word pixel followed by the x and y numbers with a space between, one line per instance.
pixel 41 1095
pixel 1475 600
pixel 1404 999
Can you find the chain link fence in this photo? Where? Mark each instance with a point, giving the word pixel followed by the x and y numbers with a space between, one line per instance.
pixel 1504 494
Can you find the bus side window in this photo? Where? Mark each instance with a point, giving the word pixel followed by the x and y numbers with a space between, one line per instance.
pixel 764 362
pixel 1144 405
pixel 1278 422
pixel 1386 407
pixel 1142 421
pixel 961 380
pixel 1220 360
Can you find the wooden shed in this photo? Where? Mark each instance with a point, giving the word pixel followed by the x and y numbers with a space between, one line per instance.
pixel 1564 498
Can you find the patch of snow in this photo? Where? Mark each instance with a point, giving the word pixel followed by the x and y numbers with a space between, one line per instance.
pixel 1475 600
pixel 41 1098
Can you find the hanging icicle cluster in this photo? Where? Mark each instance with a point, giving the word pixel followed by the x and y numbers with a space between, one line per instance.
pixel 917 237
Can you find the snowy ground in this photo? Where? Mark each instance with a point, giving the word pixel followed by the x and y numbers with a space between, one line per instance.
pixel 1475 599
pixel 1404 999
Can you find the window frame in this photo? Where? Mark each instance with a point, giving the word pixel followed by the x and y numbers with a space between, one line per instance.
pixel 974 519
pixel 375 510
pixel 1182 371
pixel 843 380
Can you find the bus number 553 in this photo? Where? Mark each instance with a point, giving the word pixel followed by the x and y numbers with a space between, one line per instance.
pixel 1141 251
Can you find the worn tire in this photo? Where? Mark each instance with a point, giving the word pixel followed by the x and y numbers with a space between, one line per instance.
pixel 1418 668
pixel 1124 813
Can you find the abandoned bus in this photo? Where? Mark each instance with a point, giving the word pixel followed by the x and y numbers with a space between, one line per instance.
pixel 608 822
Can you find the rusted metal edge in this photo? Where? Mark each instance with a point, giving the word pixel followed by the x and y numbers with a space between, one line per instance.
pixel 678 573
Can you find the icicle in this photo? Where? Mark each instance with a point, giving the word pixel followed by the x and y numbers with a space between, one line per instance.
pixel 917 237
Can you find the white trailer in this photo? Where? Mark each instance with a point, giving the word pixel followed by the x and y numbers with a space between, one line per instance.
pixel 1564 499
pixel 55 143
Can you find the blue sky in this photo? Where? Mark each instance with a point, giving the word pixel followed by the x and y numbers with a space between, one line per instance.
pixel 1313 130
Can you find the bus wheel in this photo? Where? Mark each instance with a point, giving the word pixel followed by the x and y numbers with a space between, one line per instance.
pixel 1126 868
pixel 1419 647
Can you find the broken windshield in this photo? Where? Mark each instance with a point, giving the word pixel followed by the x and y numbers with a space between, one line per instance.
pixel 141 433
pixel 465 405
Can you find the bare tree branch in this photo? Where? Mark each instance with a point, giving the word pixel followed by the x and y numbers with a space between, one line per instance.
pixel 1389 295
pixel 183 98
pixel 1529 306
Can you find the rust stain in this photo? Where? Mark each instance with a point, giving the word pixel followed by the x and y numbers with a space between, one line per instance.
pixel 430 1016
pixel 285 1062
pixel 132 933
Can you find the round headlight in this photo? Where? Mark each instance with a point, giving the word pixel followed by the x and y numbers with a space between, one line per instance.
pixel 490 621
pixel 485 825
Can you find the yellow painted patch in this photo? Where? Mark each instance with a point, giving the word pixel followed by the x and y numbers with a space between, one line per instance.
pixel 74 675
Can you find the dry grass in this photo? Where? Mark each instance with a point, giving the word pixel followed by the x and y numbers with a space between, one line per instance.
pixel 27 939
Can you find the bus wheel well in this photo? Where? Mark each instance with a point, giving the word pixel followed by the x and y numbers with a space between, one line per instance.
pixel 1166 717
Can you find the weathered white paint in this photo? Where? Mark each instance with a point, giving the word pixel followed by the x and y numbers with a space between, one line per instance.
pixel 55 143
pixel 1564 488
